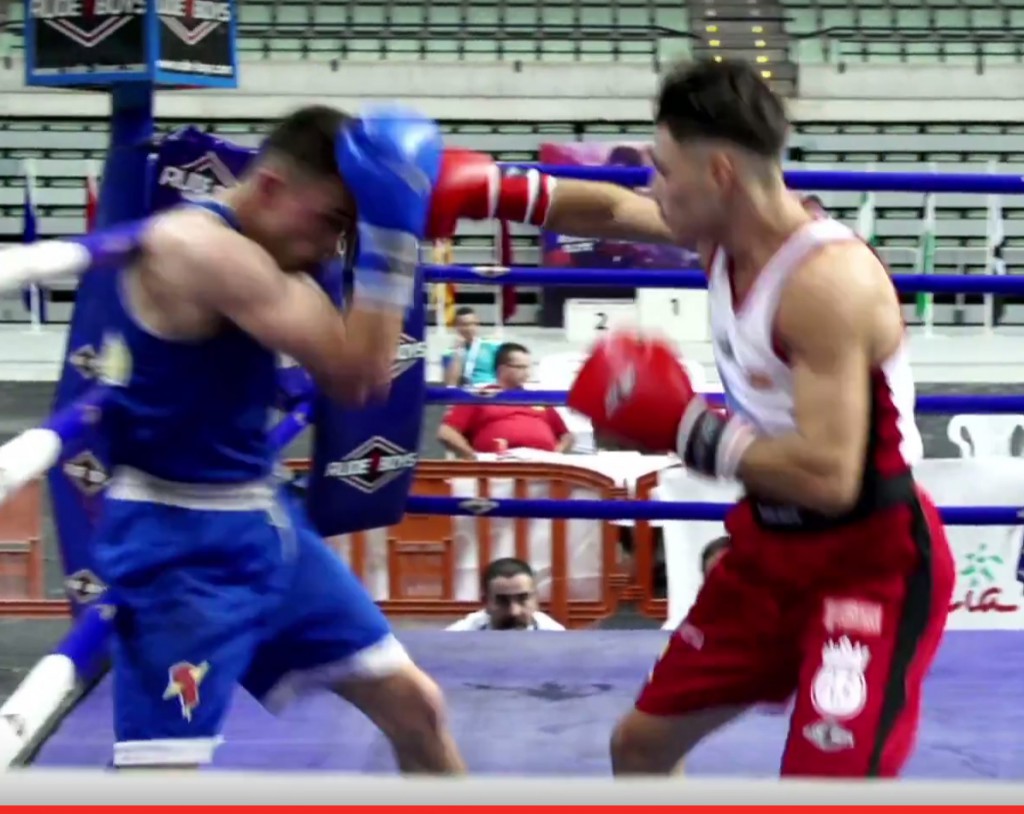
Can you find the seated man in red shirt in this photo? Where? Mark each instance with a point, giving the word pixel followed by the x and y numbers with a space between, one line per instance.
pixel 471 428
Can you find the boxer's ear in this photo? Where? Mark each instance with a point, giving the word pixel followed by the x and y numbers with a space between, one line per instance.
pixel 268 181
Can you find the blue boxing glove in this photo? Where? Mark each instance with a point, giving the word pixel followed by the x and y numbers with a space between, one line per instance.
pixel 389 158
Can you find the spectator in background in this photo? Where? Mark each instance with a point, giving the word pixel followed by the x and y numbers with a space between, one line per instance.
pixel 468 429
pixel 471 361
pixel 509 593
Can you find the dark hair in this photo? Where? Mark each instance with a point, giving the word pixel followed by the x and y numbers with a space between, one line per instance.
pixel 711 549
pixel 503 569
pixel 307 137
pixel 505 350
pixel 464 311
pixel 725 100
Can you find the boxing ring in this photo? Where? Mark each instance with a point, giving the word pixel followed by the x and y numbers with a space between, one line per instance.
pixel 521 703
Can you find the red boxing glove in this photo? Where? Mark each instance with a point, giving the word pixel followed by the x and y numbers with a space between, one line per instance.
pixel 633 387
pixel 472 185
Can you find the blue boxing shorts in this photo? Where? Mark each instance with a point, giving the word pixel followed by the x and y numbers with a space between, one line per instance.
pixel 220 586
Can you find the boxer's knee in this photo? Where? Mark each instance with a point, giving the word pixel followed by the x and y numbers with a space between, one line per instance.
pixel 642 744
pixel 406 705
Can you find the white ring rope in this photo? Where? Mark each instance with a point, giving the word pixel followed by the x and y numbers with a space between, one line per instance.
pixel 281 788
pixel 41 262
pixel 25 457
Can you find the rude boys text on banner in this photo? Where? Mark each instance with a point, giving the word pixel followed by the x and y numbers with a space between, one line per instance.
pixel 99 43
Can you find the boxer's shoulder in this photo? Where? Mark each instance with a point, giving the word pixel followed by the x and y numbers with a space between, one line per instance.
pixel 193 249
pixel 843 271
pixel 832 292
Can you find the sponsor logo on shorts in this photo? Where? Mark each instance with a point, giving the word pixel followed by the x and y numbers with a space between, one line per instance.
pixel 84 586
pixel 853 616
pixel 372 465
pixel 829 736
pixel 839 690
pixel 410 351
pixel 199 178
pixel 87 473
pixel 183 680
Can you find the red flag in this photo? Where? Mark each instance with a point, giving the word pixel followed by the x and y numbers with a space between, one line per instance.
pixel 508 292
pixel 92 198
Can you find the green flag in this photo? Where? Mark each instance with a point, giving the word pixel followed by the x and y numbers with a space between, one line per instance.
pixel 866 218
pixel 926 258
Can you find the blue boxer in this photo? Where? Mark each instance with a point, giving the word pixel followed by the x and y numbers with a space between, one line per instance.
pixel 219 577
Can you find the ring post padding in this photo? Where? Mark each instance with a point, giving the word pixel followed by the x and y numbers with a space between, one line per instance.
pixel 129 60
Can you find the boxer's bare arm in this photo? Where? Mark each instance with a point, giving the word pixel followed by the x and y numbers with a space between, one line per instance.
pixel 825 321
pixel 594 209
pixel 199 260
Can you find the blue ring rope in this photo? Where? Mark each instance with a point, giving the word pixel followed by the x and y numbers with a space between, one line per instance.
pixel 549 508
pixel 946 403
pixel 694 279
pixel 830 180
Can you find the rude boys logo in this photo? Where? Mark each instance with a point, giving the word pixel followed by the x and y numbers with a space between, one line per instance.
pixel 199 178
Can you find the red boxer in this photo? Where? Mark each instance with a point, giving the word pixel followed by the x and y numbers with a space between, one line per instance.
pixel 837 583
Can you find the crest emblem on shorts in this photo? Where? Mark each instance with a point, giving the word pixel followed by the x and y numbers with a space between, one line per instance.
pixel 183 680
pixel 829 736
pixel 839 690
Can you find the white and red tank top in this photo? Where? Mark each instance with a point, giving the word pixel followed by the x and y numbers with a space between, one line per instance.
pixel 757 379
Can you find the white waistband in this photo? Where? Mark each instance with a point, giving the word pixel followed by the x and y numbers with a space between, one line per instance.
pixel 135 485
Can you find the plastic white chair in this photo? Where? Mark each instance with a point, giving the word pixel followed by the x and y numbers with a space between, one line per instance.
pixel 984 436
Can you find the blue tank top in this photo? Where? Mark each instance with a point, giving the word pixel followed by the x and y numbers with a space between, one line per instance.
pixel 192 412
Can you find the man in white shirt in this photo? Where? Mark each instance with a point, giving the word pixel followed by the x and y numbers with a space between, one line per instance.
pixel 510 600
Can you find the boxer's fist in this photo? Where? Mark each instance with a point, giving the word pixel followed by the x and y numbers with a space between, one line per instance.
pixel 632 387
pixel 471 185
pixel 389 158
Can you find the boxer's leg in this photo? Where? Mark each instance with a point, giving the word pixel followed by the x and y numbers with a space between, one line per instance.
pixel 190 588
pixel 332 634
pixel 866 653
pixel 726 656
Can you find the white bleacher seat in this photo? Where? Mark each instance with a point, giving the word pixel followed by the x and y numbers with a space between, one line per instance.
pixel 984 436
